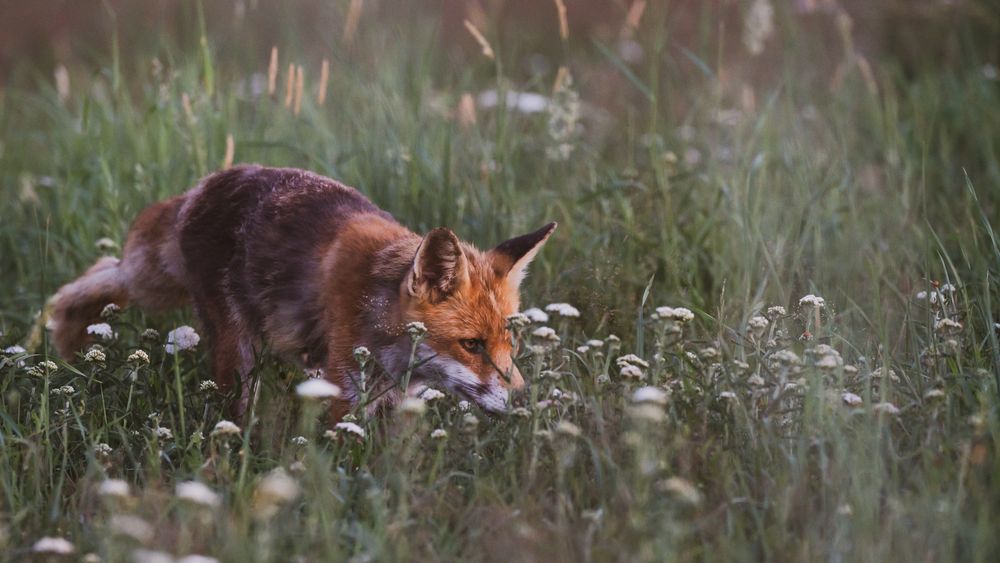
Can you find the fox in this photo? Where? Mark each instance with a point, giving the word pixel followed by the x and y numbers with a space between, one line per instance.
pixel 310 269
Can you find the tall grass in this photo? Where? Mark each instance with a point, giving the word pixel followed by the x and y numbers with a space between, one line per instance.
pixel 864 196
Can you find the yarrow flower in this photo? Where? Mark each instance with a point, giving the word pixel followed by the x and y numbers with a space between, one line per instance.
pixel 775 312
pixel 546 333
pixel 430 394
pixel 536 315
pixel 518 320
pixel 57 546
pixel 14 350
pixel 350 428
pixel 197 493
pixel 947 325
pixel 632 359
pixel 274 490
pixel 812 302
pixel 317 389
pixel 885 408
pixel 650 395
pixel 757 325
pixel 102 449
pixel 361 355
pixel 567 428
pixel 416 329
pixel 300 440
pixel 439 434
pixel 116 488
pixel 95 356
pixel 676 314
pixel 181 338
pixel 851 400
pixel 629 371
pixel 413 406
pixel 138 358
pixel 563 310
pixel 102 331
pixel 208 385
pixel 225 428
pixel 110 311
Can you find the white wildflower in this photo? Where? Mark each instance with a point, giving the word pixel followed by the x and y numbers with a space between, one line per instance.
pixel 181 338
pixel 273 490
pixel 728 395
pixel 413 406
pixel 757 325
pixel 14 350
pixel 225 428
pixel 110 311
pixel 594 343
pixel 934 394
pixel 630 371
pixel 677 314
pixel 138 358
pixel 416 329
pixel 430 394
pixel 95 356
pixel 650 395
pixel 563 310
pixel 812 302
pixel 105 244
pixel 709 353
pixel 163 433
pixel 131 526
pixel 195 558
pixel 317 389
pixel 631 359
pixel 536 315
pixel 758 26
pixel 886 408
pixel 208 385
pixel 102 449
pixel 151 556
pixel 850 399
pixel 518 320
pixel 350 428
pixel 756 380
pixel 56 546
pixel 361 355
pixel 567 428
pixel 115 488
pixel 776 312
pixel 464 406
pixel 546 333
pixel 947 326
pixel 439 434
pixel 582 350
pixel 196 492
pixel 300 441
pixel 102 331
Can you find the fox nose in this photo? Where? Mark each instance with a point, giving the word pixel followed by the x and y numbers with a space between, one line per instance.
pixel 516 381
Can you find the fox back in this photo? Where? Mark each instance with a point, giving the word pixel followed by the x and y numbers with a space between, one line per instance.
pixel 312 269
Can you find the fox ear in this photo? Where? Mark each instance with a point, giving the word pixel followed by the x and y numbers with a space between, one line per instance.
pixel 513 256
pixel 439 267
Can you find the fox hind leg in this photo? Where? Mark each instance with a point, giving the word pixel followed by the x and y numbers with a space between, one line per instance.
pixel 79 304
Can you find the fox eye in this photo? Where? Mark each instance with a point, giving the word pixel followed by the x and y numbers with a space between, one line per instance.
pixel 473 345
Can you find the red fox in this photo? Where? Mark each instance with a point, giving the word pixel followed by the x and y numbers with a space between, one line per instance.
pixel 311 268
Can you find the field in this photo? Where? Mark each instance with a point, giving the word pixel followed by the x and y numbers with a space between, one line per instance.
pixel 777 240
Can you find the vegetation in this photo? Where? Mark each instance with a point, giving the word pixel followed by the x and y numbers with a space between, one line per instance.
pixel 736 416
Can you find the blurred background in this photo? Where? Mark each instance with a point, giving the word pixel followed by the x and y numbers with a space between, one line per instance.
pixel 773 146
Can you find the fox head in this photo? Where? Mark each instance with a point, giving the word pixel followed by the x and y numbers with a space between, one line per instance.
pixel 464 296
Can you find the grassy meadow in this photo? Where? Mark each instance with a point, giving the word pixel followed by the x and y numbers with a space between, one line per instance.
pixel 825 210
